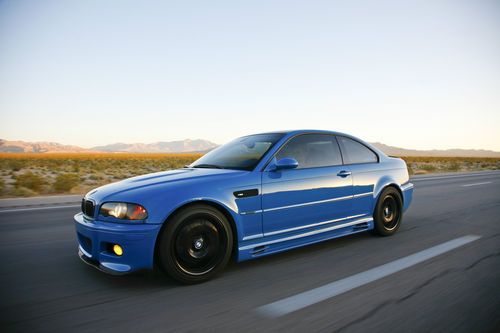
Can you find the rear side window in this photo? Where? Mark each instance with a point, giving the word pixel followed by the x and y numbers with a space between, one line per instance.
pixel 355 152
pixel 312 151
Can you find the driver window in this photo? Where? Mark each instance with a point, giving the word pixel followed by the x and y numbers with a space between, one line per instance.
pixel 312 151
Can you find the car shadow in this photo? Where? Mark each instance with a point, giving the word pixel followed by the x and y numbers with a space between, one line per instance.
pixel 156 279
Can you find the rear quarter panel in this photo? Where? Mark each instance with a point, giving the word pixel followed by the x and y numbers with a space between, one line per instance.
pixel 370 179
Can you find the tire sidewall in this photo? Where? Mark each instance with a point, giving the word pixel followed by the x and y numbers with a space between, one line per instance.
pixel 166 257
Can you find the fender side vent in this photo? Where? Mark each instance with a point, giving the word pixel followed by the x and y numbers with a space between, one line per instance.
pixel 246 193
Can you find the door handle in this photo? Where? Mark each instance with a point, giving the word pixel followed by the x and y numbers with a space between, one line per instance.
pixel 344 173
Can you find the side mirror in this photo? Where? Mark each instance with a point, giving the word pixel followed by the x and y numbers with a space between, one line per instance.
pixel 286 163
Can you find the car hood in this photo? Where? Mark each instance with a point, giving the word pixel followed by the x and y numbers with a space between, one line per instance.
pixel 157 179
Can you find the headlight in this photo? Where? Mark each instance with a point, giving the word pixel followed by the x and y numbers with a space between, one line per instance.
pixel 123 211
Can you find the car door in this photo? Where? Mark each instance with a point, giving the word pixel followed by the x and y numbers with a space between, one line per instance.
pixel 317 192
pixel 365 169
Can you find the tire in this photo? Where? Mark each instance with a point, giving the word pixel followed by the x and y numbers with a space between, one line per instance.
pixel 388 213
pixel 195 245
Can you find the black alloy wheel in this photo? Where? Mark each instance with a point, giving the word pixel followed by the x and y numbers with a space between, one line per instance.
pixel 199 244
pixel 195 244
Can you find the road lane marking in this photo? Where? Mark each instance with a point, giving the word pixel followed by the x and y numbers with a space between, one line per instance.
pixel 493 173
pixel 316 295
pixel 36 208
pixel 475 184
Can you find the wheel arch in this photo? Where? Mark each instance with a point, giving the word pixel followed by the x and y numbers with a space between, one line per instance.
pixel 220 207
pixel 383 184
pixel 395 186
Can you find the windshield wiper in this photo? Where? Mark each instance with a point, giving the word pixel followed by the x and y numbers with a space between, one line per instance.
pixel 208 166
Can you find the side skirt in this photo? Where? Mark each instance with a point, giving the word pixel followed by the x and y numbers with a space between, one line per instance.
pixel 269 245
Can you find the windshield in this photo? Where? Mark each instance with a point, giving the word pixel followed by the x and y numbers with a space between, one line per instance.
pixel 243 153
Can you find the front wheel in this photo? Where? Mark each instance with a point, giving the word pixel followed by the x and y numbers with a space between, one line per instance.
pixel 196 244
pixel 388 212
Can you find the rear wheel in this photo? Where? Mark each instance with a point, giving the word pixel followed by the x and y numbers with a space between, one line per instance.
pixel 196 244
pixel 388 212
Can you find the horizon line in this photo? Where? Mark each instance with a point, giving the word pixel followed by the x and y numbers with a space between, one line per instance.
pixel 218 144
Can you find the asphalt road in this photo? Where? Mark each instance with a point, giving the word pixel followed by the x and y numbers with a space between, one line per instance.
pixel 45 286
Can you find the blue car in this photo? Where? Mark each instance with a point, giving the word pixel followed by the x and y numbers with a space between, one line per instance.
pixel 257 195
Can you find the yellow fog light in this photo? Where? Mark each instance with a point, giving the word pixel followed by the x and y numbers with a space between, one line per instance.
pixel 117 249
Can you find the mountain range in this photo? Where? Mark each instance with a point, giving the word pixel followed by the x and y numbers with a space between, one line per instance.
pixel 37 147
pixel 200 145
pixel 180 146
pixel 396 151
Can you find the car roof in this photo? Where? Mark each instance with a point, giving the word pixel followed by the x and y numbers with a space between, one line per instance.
pixel 303 131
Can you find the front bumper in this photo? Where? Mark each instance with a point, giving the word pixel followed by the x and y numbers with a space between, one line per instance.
pixel 96 238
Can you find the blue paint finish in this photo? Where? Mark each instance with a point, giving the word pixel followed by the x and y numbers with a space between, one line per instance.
pixel 96 238
pixel 291 197
pixel 294 206
pixel 407 190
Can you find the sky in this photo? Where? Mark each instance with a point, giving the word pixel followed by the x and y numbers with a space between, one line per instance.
pixel 413 74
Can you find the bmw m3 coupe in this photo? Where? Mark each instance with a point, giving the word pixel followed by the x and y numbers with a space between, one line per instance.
pixel 254 196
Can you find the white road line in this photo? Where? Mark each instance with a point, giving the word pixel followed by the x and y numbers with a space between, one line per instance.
pixel 313 296
pixel 475 184
pixel 493 173
pixel 36 208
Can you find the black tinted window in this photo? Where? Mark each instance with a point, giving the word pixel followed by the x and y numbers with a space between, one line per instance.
pixel 312 150
pixel 242 154
pixel 355 152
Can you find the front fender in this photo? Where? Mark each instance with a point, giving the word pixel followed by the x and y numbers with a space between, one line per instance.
pixel 166 201
pixel 228 207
